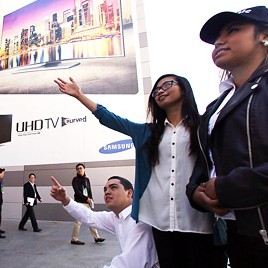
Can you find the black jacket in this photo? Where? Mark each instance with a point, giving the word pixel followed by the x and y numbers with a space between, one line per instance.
pixel 239 143
pixel 28 191
pixel 79 183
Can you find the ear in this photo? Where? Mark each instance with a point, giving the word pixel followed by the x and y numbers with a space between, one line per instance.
pixel 129 193
pixel 263 36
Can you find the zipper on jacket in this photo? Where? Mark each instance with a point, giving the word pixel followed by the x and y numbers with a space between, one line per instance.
pixel 262 232
pixel 202 150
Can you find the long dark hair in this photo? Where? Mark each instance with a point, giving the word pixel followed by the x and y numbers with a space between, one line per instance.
pixel 189 114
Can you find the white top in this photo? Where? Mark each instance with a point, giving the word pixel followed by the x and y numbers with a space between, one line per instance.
pixel 33 188
pixel 164 204
pixel 136 240
pixel 224 85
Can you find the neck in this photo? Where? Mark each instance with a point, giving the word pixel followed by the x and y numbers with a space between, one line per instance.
pixel 117 211
pixel 174 116
pixel 241 74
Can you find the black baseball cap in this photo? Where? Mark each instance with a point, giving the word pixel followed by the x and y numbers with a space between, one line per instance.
pixel 1 170
pixel 211 29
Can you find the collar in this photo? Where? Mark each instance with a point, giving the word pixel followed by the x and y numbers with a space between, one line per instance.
pixel 81 176
pixel 226 84
pixel 167 123
pixel 125 213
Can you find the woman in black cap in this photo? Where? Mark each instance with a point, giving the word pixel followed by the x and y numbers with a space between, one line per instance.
pixel 230 177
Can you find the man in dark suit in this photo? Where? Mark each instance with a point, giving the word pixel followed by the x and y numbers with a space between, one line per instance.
pixel 30 195
pixel 2 173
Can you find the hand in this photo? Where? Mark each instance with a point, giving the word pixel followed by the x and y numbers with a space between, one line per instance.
pixel 88 200
pixel 70 88
pixel 201 199
pixel 210 188
pixel 59 193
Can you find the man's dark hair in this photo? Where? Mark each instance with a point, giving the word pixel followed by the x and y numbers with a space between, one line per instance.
pixel 79 164
pixel 126 183
pixel 32 174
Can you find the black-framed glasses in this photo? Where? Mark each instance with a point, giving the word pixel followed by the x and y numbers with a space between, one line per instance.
pixel 166 85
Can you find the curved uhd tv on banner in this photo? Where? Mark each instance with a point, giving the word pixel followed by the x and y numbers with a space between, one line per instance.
pixel 50 31
pixel 90 38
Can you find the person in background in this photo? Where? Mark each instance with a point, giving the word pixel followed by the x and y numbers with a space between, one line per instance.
pixel 165 157
pixel 2 173
pixel 230 177
pixel 30 197
pixel 135 239
pixel 83 195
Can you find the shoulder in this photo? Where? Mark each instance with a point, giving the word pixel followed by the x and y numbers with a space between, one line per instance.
pixel 136 228
pixel 74 179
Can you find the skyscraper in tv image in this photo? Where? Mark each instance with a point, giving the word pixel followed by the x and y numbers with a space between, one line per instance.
pixel 5 128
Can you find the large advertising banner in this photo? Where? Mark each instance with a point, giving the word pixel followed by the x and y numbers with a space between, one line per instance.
pixel 92 41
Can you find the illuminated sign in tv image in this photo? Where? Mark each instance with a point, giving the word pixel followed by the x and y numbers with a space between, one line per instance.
pixel 88 39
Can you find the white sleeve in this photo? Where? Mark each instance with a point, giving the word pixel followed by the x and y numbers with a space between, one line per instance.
pixel 97 219
pixel 139 250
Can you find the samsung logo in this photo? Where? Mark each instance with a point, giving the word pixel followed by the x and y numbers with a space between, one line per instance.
pixel 116 147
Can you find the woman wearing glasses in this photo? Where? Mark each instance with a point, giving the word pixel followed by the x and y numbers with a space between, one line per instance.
pixel 165 156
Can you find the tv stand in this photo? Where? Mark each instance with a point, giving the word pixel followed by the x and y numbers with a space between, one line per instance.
pixel 52 64
pixel 48 66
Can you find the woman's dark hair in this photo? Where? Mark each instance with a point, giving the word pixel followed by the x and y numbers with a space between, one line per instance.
pixel 189 114
pixel 260 28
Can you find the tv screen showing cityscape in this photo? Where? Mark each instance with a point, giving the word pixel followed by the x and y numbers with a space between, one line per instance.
pixel 51 31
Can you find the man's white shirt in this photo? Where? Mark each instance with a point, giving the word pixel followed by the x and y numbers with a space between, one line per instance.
pixel 135 239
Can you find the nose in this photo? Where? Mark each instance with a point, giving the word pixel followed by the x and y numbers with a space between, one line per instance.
pixel 106 192
pixel 218 42
pixel 160 90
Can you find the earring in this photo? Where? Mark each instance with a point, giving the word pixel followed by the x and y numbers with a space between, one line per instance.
pixel 264 43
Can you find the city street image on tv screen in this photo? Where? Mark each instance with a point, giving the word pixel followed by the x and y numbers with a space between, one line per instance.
pixel 51 31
